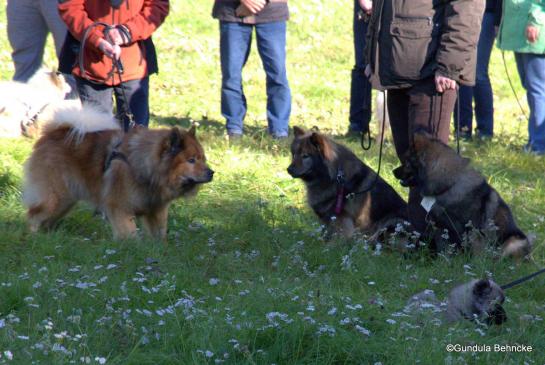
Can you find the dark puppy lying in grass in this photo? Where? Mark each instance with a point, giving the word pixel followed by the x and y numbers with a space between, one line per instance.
pixel 343 192
pixel 460 199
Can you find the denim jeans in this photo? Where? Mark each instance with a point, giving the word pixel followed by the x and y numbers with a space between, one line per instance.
pixel 360 87
pixel 235 44
pixel 531 68
pixel 481 93
pixel 136 91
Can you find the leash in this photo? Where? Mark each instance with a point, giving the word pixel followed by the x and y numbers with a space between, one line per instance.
pixel 511 85
pixel 458 120
pixel 117 66
pixel 352 195
pixel 522 280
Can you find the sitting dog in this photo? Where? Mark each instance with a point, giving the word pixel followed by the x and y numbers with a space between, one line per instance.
pixel 459 198
pixel 343 192
pixel 84 155
pixel 22 103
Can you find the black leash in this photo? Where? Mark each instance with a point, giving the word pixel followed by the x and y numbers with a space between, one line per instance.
pixel 522 280
pixel 511 85
pixel 377 175
pixel 458 120
pixel 117 66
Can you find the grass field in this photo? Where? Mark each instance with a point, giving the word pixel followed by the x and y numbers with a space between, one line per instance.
pixel 246 277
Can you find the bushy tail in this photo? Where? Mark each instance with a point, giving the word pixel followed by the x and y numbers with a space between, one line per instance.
pixel 80 119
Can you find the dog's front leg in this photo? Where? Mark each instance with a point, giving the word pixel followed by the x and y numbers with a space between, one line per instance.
pixel 123 224
pixel 155 223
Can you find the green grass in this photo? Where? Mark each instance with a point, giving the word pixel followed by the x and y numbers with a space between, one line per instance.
pixel 246 275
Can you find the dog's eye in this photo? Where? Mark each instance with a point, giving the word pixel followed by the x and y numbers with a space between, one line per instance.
pixel 191 160
pixel 305 155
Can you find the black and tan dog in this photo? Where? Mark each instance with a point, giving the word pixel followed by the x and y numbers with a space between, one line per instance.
pixel 340 185
pixel 461 198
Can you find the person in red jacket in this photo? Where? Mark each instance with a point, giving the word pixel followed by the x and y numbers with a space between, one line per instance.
pixel 108 36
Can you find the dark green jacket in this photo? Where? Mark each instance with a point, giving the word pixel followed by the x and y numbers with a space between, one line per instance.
pixel 410 40
pixel 274 11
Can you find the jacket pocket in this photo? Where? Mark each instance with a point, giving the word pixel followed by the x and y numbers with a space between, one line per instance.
pixel 414 44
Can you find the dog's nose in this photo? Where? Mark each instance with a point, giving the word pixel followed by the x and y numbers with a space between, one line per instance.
pixel 210 173
pixel 290 170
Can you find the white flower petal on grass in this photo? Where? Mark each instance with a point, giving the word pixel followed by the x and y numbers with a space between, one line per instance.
pixel 391 321
pixel 111 266
pixel 100 360
pixel 24 338
pixel 8 355
pixel 2 323
pixel 363 330
pixel 110 252
pixel 332 311
pixel 213 281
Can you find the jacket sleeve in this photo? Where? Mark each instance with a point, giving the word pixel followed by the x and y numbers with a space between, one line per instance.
pixel 151 16
pixel 74 15
pixel 536 15
pixel 458 42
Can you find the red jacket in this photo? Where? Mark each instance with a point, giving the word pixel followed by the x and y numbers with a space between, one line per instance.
pixel 141 17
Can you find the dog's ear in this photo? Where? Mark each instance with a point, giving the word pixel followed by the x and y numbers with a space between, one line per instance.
pixel 482 288
pixel 56 78
pixel 193 130
pixel 421 140
pixel 323 144
pixel 298 132
pixel 173 143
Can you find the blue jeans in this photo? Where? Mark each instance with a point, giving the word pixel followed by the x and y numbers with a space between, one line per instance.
pixel 482 91
pixel 531 68
pixel 360 87
pixel 235 43
pixel 100 95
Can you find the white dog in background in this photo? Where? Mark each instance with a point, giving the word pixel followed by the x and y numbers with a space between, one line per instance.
pixel 21 104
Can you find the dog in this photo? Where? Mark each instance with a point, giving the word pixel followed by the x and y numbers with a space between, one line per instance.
pixel 477 300
pixel 340 185
pixel 459 198
pixel 84 155
pixel 21 104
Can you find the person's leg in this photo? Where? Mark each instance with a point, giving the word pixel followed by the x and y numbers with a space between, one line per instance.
pixel 534 66
pixel 235 42
pixel 27 32
pixel 271 44
pixel 95 94
pixel 360 87
pixel 466 111
pixel 430 111
pixel 54 23
pixel 397 101
pixel 136 93
pixel 484 101
pixel 521 62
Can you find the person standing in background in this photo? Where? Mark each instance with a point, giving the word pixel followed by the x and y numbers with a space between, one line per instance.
pixel 105 35
pixel 237 20
pixel 360 87
pixel 420 50
pixel 481 93
pixel 522 30
pixel 29 22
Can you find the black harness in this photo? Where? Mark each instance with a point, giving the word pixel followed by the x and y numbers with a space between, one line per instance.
pixel 115 154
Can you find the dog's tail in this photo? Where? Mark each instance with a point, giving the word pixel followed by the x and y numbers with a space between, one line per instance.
pixel 80 119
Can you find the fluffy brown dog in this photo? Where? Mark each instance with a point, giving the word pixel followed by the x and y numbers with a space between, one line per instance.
pixel 83 155
pixel 331 172
pixel 461 196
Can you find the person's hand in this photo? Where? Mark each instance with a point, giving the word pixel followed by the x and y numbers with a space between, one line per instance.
pixel 443 83
pixel 254 6
pixel 111 50
pixel 366 6
pixel 532 33
pixel 367 71
pixel 115 37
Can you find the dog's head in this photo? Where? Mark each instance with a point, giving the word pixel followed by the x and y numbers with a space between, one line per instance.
pixel 488 298
pixel 172 160
pixel 51 82
pixel 429 164
pixel 312 153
